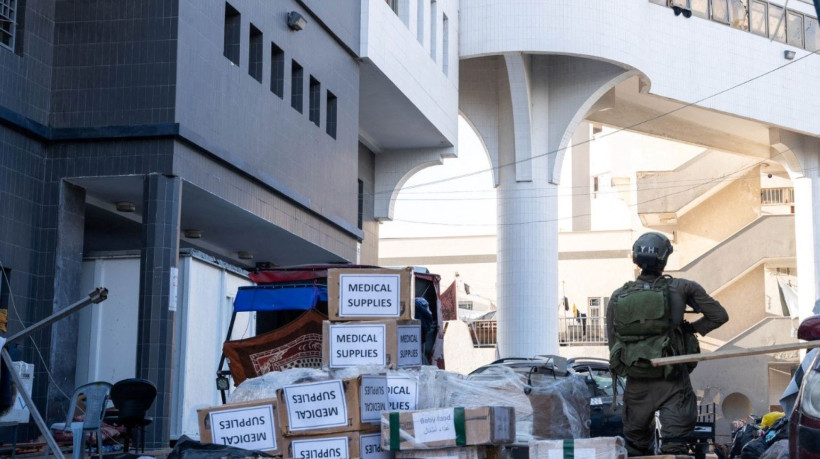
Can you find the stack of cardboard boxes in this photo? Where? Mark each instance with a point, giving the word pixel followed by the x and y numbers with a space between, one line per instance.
pixel 455 432
pixel 371 319
pixel 371 325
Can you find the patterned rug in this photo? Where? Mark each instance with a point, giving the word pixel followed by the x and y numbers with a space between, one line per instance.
pixel 296 345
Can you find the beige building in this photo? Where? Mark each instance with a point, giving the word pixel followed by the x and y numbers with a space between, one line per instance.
pixel 730 218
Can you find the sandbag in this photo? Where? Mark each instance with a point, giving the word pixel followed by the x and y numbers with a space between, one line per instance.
pixel 187 448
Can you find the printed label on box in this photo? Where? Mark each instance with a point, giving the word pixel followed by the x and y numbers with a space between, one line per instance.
pixel 502 423
pixel 325 448
pixel 578 453
pixel 316 405
pixel 372 295
pixel 248 428
pixel 354 345
pixel 387 393
pixel 435 425
pixel 409 345
pixel 370 447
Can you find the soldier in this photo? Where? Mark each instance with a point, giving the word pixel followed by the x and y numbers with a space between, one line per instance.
pixel 645 321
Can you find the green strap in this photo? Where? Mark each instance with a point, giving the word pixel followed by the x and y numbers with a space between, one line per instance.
pixel 569 448
pixel 458 418
pixel 395 437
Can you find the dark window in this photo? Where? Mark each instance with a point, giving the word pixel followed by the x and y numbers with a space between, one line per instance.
pixel 812 34
pixel 255 54
pixel 4 288
pixel 595 187
pixel 758 22
pixel 315 103
pixel 277 70
pixel 297 86
pixel 394 5
pixel 330 125
pixel 433 29
pixel 777 24
pixel 720 11
pixel 445 44
pixel 794 28
pixel 233 27
pixel 360 219
pixel 8 23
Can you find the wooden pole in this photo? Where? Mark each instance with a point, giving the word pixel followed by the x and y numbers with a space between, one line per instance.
pixel 727 354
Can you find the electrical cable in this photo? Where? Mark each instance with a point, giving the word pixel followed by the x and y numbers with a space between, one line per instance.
pixel 589 214
pixel 616 131
pixel 13 307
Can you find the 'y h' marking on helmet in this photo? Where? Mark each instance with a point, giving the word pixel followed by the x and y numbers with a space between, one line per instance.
pixel 648 249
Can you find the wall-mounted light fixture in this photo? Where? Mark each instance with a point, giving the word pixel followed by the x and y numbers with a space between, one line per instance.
pixel 244 255
pixel 192 233
pixel 295 21
pixel 789 54
pixel 125 206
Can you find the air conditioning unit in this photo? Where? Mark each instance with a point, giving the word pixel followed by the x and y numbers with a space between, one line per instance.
pixel 19 411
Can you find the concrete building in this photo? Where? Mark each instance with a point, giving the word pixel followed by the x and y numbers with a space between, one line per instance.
pixel 249 132
pixel 733 79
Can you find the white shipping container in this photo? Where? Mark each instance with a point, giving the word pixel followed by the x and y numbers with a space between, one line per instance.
pixel 107 343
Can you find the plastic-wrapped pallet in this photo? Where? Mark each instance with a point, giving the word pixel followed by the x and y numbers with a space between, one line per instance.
pixel 550 408
pixel 579 448
pixel 265 386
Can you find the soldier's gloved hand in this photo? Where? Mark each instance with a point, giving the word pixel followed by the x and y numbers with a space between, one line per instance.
pixel 687 328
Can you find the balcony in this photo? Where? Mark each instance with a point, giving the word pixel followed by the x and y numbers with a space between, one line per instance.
pixel 581 331
pixel 572 331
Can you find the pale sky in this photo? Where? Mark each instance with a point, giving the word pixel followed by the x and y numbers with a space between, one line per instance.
pixel 456 206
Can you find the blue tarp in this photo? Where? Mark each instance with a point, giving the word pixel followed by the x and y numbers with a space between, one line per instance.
pixel 279 298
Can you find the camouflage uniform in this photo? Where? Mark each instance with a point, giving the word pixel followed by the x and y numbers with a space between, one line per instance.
pixel 673 397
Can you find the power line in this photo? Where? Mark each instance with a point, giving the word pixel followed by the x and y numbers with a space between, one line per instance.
pixel 635 205
pixel 616 131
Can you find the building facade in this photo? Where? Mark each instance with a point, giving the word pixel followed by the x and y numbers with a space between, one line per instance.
pixel 257 133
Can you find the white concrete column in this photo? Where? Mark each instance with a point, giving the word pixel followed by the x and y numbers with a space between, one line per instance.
pixel 525 108
pixel 801 157
pixel 806 235
pixel 527 268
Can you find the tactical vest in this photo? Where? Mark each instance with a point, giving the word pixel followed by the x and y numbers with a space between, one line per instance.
pixel 643 330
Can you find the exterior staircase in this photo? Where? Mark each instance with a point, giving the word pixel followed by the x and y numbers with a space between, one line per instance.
pixel 664 196
pixel 766 238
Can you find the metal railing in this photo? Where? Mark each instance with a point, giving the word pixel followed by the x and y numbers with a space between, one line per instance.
pixel 581 331
pixel 484 333
pixel 572 331
pixel 775 196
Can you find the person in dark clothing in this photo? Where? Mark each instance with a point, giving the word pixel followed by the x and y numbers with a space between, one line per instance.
pixel 429 328
pixel 649 389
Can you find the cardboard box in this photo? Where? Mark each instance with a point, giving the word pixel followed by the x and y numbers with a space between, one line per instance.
pixel 599 447
pixel 380 393
pixel 463 452
pixel 247 425
pixel 319 408
pixel 448 427
pixel 342 445
pixel 370 294
pixel 376 342
pixel 370 447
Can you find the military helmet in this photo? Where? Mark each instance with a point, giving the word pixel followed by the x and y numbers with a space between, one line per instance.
pixel 651 251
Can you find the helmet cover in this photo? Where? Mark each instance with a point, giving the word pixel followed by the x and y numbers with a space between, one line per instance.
pixel 651 250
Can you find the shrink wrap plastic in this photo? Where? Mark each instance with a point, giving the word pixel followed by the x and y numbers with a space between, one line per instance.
pixel 552 408
pixel 265 386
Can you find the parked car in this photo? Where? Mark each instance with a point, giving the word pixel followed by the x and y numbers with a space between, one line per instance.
pixel 606 421
pixel 804 423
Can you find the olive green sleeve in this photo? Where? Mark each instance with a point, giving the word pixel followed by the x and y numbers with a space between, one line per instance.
pixel 714 315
